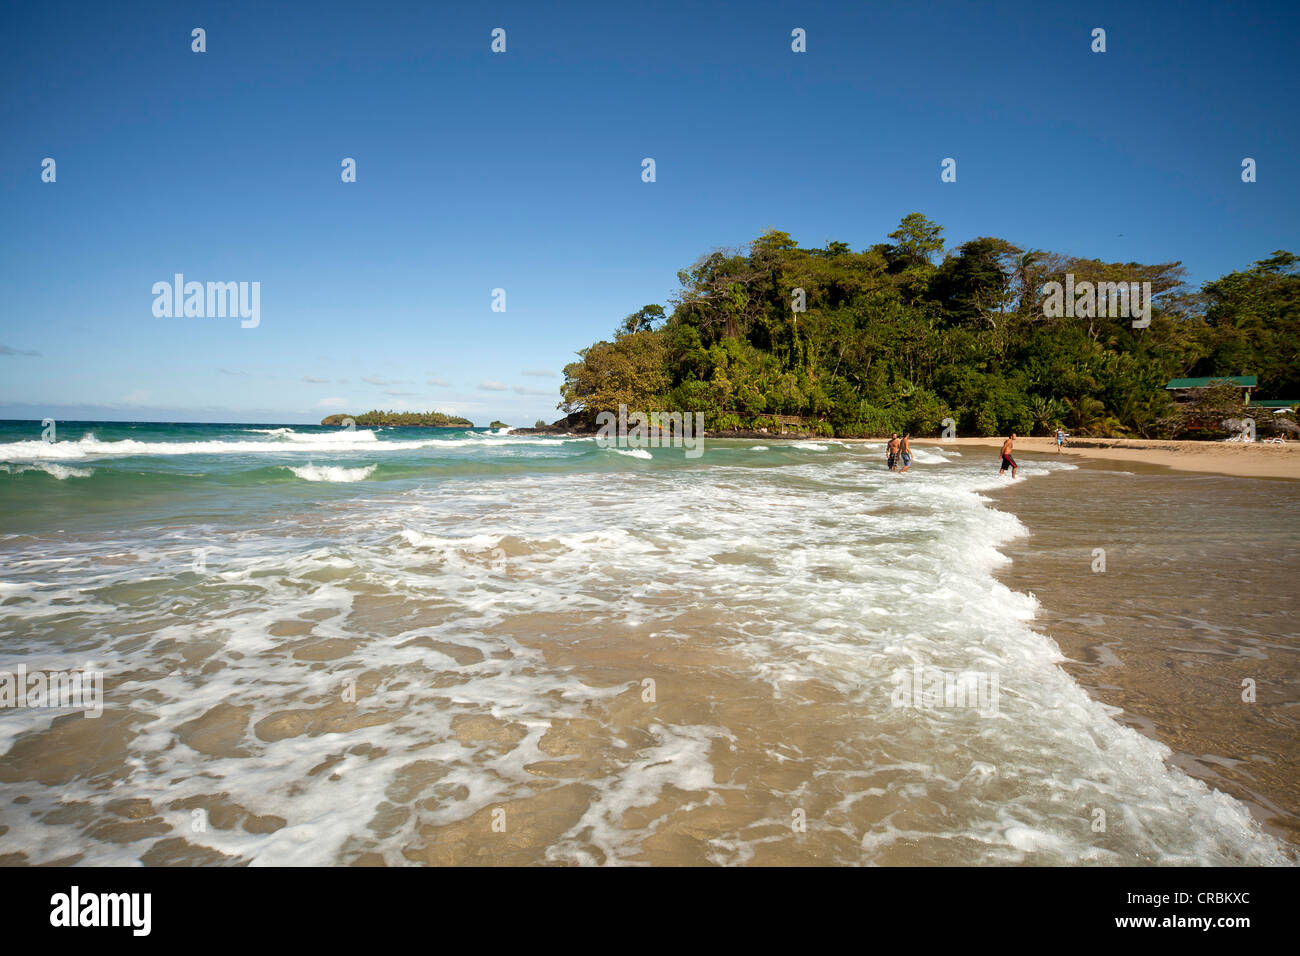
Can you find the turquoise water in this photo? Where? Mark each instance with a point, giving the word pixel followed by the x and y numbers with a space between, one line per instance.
pixel 101 475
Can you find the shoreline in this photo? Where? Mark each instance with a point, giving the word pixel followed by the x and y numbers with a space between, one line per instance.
pixel 1171 628
pixel 1233 459
pixel 1256 460
pixel 770 634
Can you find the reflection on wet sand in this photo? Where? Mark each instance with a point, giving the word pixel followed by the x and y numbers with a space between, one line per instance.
pixel 1197 601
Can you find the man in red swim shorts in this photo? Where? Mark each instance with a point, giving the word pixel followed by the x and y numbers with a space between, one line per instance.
pixel 1007 460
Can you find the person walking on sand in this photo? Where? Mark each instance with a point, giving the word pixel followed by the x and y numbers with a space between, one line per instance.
pixel 1060 439
pixel 905 452
pixel 1007 460
pixel 891 451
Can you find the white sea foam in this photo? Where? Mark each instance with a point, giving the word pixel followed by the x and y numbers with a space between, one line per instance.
pixel 632 452
pixel 61 472
pixel 817 573
pixel 90 447
pixel 928 454
pixel 347 437
pixel 332 472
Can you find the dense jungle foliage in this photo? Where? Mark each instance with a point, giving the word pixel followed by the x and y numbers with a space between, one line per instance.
pixel 901 336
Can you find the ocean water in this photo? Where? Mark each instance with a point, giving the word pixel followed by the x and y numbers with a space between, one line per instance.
pixel 442 646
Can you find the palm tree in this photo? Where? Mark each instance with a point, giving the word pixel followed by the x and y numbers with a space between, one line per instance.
pixel 1026 277
pixel 1047 412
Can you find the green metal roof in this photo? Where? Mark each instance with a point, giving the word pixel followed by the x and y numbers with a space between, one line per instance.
pixel 1242 381
pixel 1274 402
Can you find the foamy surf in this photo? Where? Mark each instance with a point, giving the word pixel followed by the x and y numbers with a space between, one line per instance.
pixel 366 675
pixel 332 472
pixel 367 441
pixel 61 472
pixel 632 453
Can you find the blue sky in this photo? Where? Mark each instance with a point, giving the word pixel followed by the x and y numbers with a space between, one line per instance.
pixel 522 171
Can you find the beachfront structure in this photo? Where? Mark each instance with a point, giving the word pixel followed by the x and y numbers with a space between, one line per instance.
pixel 1277 403
pixel 1187 389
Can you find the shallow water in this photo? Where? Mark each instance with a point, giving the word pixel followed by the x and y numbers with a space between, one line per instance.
pixel 1194 608
pixel 419 646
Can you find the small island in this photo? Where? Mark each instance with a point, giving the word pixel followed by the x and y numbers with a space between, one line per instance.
pixel 498 425
pixel 391 419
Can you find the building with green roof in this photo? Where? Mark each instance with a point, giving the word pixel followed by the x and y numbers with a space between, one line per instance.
pixel 1186 389
pixel 1241 381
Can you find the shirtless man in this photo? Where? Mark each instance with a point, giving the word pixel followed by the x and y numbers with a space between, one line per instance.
pixel 1007 460
pixel 891 452
pixel 905 452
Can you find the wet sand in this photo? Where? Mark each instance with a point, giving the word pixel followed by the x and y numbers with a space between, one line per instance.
pixel 1196 597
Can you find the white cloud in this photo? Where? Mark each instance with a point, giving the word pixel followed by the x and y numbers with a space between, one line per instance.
pixel 313 380
pixel 332 403
pixel 539 373
pixel 493 386
pixel 378 380
pixel 520 390
pixel 440 382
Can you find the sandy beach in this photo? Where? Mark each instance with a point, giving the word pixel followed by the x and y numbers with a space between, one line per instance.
pixel 1257 460
pixel 453 648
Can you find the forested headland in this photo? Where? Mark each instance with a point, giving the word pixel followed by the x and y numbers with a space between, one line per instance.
pixel 378 419
pixel 901 336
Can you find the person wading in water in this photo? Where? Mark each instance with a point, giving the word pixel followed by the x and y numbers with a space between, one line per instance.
pixel 1007 460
